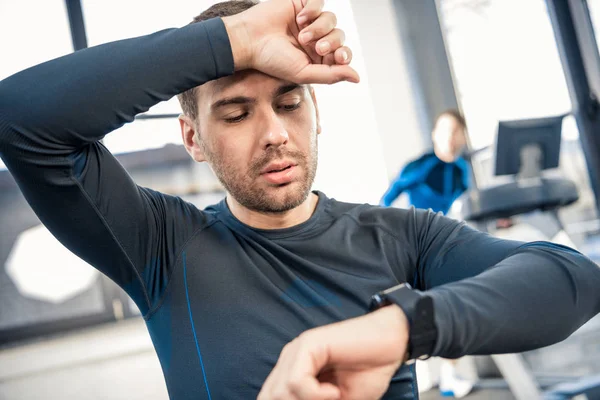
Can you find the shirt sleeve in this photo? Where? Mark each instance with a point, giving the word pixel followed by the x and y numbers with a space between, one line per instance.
pixel 494 296
pixel 52 117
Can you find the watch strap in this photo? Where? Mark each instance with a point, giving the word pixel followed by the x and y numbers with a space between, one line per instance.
pixel 418 309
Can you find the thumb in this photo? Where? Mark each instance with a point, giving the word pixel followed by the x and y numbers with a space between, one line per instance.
pixel 320 73
pixel 327 391
pixel 310 388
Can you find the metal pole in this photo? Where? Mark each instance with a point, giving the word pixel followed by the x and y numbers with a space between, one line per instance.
pixel 76 24
pixel 578 51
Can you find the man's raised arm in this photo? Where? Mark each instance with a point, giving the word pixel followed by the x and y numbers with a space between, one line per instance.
pixel 53 115
pixel 51 119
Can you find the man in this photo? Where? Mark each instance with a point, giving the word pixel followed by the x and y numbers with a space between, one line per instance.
pixel 438 177
pixel 224 289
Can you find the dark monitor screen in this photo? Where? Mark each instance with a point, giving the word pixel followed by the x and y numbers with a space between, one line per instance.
pixel 514 136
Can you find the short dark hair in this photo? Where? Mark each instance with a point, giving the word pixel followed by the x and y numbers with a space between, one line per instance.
pixel 187 99
pixel 454 113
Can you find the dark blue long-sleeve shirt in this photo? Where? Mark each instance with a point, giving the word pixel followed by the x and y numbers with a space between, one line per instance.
pixel 430 183
pixel 220 298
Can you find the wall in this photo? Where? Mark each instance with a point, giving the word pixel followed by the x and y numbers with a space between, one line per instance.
pixel 390 87
pixel 351 157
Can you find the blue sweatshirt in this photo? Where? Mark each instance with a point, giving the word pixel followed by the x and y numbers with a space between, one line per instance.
pixel 220 298
pixel 430 183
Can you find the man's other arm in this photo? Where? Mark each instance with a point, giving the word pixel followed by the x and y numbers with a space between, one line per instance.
pixel 490 296
pixel 52 117
pixel 498 296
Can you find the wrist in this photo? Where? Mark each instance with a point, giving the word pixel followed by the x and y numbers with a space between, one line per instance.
pixel 239 41
pixel 418 310
pixel 393 321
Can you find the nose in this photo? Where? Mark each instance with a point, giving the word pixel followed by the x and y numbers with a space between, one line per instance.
pixel 273 132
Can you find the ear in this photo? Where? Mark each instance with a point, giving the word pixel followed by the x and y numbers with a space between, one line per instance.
pixel 191 138
pixel 314 99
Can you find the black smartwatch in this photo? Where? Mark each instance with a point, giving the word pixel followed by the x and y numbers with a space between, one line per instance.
pixel 418 309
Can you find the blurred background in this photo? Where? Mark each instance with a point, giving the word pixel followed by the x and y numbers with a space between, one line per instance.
pixel 495 60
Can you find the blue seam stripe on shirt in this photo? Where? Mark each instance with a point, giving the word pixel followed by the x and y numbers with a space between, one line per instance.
pixel 187 296
pixel 413 372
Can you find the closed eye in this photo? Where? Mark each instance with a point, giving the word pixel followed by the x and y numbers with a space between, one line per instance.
pixel 290 107
pixel 238 118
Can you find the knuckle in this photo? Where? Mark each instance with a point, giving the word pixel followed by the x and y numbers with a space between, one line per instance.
pixel 338 37
pixel 295 385
pixel 284 350
pixel 287 348
pixel 331 18
pixel 280 394
pixel 302 338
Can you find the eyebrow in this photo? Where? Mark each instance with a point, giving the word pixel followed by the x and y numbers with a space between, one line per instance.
pixel 232 100
pixel 248 100
pixel 287 88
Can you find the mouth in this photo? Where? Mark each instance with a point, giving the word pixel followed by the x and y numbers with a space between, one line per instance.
pixel 279 173
pixel 277 167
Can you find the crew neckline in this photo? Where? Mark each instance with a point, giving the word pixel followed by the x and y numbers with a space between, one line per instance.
pixel 227 216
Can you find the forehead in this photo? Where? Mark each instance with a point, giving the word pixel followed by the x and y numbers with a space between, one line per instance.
pixel 248 83
pixel 449 122
pixel 447 119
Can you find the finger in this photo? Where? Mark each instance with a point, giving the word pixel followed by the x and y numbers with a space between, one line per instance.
pixel 310 11
pixel 311 389
pixel 266 388
pixel 329 391
pixel 342 56
pixel 329 59
pixel 322 26
pixel 331 42
pixel 329 74
pixel 274 387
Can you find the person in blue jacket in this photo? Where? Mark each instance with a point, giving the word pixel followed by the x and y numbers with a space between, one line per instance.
pixel 438 177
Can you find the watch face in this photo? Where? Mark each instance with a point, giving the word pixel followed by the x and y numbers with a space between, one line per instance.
pixel 377 302
pixel 401 286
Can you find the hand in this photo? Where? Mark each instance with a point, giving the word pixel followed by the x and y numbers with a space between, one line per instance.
pixel 285 39
pixel 352 359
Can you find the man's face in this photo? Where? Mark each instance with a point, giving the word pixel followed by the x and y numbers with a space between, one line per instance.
pixel 259 135
pixel 449 136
